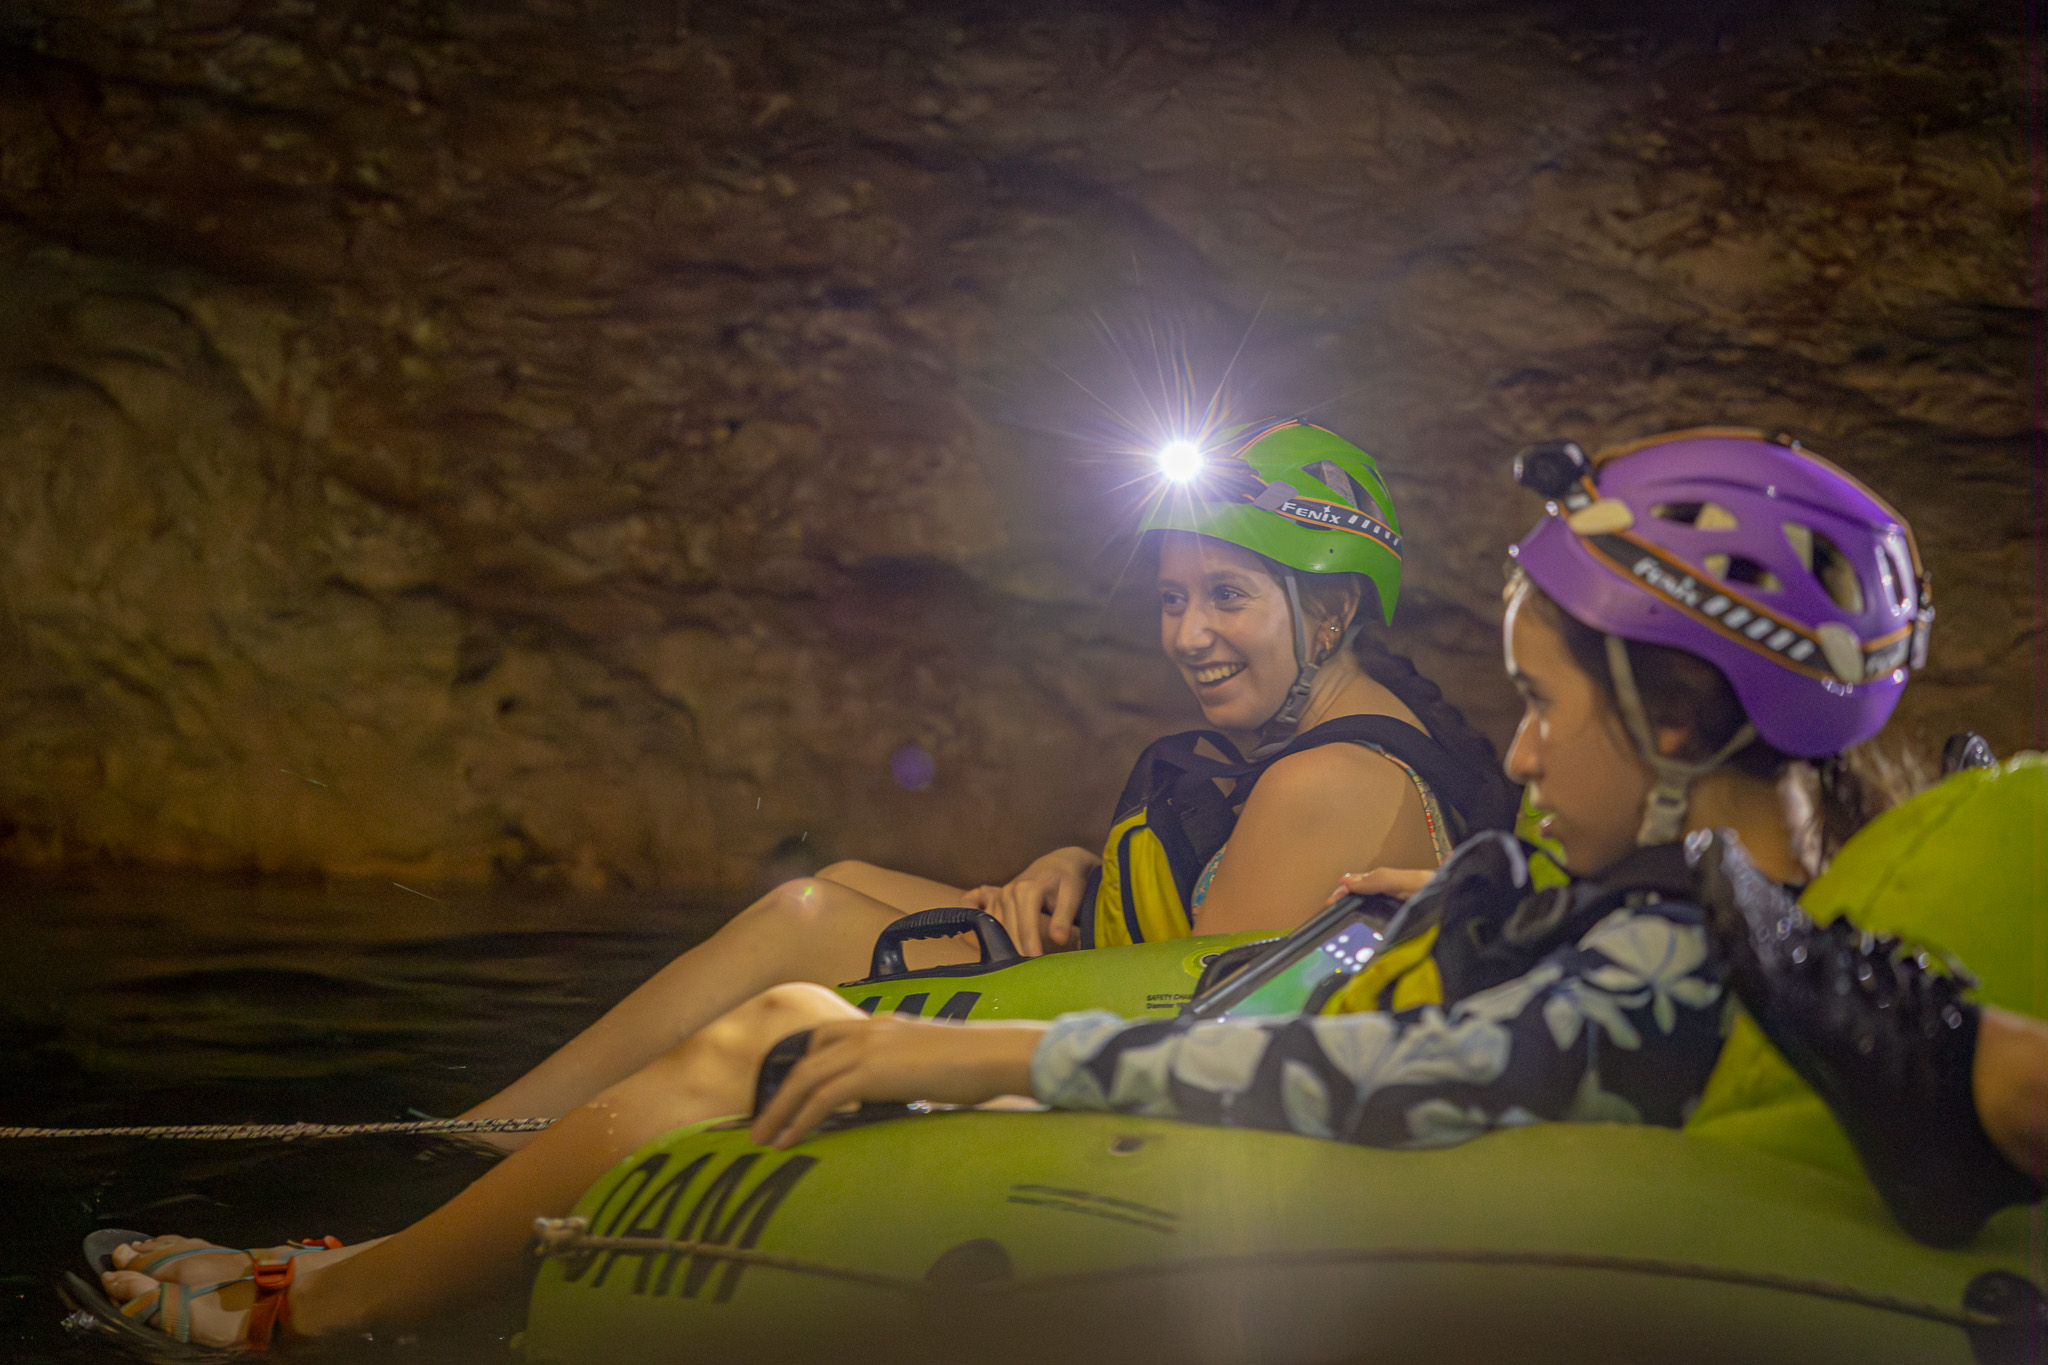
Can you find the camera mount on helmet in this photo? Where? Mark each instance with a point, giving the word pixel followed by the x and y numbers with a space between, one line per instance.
pixel 1557 470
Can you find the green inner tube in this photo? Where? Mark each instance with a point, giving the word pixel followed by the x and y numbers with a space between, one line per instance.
pixel 1750 1236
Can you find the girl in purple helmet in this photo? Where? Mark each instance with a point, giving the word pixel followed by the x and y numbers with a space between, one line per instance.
pixel 1697 619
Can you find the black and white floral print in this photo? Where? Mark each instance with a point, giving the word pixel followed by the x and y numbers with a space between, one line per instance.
pixel 1622 1025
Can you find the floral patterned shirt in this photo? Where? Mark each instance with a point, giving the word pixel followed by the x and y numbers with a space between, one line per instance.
pixel 1623 1023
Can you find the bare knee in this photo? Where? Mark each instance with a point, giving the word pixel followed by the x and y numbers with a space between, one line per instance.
pixel 796 904
pixel 743 1035
pixel 845 872
pixel 723 1057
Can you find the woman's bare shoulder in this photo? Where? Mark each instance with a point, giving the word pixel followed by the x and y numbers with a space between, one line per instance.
pixel 1329 773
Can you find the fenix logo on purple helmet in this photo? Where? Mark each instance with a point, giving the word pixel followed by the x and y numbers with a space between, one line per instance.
pixel 1740 618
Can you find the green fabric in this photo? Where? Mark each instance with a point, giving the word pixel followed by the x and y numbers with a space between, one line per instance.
pixel 1281 454
pixel 1141 981
pixel 1546 855
pixel 1069 1205
pixel 1962 869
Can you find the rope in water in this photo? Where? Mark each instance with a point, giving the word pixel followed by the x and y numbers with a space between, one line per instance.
pixel 567 1237
pixel 288 1132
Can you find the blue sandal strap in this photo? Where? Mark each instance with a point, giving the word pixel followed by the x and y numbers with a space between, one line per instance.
pixel 151 1264
pixel 171 1311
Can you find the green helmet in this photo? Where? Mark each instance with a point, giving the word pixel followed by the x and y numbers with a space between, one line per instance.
pixel 1293 492
pixel 1300 495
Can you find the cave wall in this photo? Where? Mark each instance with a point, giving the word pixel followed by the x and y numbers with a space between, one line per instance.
pixel 587 441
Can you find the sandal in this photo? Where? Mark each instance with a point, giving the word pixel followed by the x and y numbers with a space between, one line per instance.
pixel 159 1324
pixel 93 1311
pixel 99 1250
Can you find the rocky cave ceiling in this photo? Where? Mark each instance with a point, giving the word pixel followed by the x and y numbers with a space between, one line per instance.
pixel 584 441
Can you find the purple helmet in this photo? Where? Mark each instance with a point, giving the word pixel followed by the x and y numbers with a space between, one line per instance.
pixel 1801 585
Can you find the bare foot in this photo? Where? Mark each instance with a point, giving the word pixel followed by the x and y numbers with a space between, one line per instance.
pixel 212 1319
pixel 215 1318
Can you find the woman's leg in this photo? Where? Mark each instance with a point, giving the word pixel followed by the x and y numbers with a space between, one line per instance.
pixel 2009 1077
pixel 478 1242
pixel 904 890
pixel 819 929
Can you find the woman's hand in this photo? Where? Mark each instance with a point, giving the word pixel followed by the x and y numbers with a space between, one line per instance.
pixel 897 1059
pixel 1398 882
pixel 1040 904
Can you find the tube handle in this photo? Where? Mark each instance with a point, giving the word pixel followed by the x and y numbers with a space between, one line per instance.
pixel 945 922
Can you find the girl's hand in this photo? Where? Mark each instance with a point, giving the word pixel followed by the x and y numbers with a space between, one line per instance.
pixel 1040 904
pixel 897 1059
pixel 1398 882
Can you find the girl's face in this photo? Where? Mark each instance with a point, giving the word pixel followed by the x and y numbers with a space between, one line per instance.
pixel 1570 750
pixel 1224 621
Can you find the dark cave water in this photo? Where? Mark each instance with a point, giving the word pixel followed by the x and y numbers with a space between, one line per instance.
pixel 132 998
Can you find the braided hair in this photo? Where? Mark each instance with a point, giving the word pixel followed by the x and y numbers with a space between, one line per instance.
pixel 1498 800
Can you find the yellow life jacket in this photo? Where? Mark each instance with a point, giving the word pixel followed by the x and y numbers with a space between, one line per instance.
pixel 1400 977
pixel 1174 818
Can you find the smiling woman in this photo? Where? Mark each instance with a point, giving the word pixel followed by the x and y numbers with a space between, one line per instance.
pixel 1277 549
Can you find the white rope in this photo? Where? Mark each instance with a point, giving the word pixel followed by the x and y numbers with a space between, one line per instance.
pixel 288 1132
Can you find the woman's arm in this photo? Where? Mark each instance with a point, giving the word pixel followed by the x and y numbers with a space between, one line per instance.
pixel 1623 1025
pixel 1313 817
pixel 897 1059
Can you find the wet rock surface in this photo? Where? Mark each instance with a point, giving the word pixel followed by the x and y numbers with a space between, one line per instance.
pixel 589 441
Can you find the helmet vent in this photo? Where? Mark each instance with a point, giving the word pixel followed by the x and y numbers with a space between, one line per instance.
pixel 1736 569
pixel 1340 482
pixel 1801 540
pixel 1903 585
pixel 1701 516
pixel 1836 574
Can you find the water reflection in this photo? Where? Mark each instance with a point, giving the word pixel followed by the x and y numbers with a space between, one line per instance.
pixel 132 998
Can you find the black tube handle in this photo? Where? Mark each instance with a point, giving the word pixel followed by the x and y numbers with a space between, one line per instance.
pixel 945 922
pixel 783 1057
pixel 1966 749
pixel 775 1067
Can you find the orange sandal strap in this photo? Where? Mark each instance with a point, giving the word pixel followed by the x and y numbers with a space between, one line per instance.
pixel 273 1307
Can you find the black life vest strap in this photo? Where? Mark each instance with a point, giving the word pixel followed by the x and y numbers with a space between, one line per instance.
pixel 1453 781
pixel 1177 753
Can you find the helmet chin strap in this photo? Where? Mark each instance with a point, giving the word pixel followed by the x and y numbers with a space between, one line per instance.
pixel 1664 809
pixel 1275 733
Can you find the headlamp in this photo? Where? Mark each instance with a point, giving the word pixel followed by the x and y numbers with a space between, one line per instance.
pixel 1180 460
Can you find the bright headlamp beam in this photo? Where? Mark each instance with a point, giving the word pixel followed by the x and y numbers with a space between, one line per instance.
pixel 1180 460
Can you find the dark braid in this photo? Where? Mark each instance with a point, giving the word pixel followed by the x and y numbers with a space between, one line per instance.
pixel 1498 800
pixel 1495 801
